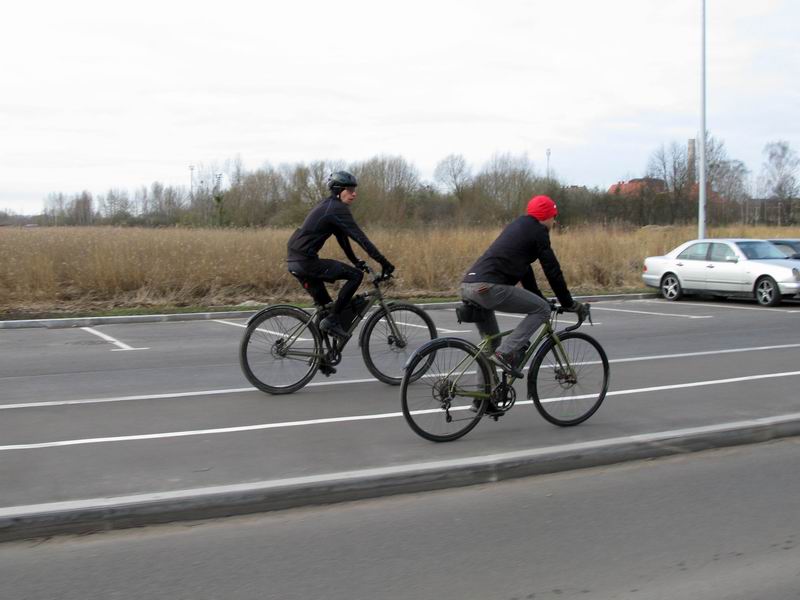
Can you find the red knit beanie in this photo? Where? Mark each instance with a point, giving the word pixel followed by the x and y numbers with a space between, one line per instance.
pixel 542 208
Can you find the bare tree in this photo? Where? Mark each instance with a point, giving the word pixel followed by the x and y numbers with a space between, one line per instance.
pixel 779 174
pixel 507 181
pixel 671 165
pixel 454 174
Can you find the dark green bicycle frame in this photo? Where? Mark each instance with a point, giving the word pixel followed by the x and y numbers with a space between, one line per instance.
pixel 375 297
pixel 546 332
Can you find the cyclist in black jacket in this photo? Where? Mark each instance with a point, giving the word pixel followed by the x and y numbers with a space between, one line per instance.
pixel 332 216
pixel 492 281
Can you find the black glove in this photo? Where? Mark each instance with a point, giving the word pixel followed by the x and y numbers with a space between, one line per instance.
pixel 388 268
pixel 580 308
pixel 362 265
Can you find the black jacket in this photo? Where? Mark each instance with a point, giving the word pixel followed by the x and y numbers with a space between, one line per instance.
pixel 508 260
pixel 329 217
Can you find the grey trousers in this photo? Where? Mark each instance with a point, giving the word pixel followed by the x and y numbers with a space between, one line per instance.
pixel 508 298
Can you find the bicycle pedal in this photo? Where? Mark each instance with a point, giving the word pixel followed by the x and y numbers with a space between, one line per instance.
pixel 327 370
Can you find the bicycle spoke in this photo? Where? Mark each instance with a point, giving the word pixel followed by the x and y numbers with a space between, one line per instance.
pixel 387 349
pixel 437 402
pixel 279 354
pixel 568 388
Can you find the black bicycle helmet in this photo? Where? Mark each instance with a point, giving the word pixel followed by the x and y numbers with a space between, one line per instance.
pixel 340 180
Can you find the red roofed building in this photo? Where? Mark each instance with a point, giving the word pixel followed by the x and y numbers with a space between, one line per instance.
pixel 636 186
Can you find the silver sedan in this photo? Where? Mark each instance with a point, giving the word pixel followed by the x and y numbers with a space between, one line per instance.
pixel 725 267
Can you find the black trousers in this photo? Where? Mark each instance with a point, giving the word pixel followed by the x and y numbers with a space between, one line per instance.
pixel 313 274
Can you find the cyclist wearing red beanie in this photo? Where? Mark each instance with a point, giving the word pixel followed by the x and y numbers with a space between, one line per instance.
pixel 492 281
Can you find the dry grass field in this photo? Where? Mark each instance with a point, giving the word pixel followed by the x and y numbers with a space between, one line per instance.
pixel 52 270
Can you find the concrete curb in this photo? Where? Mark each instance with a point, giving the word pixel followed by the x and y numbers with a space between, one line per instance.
pixel 102 514
pixel 232 314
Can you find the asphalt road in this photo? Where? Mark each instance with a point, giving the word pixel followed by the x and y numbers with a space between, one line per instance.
pixel 140 408
pixel 715 525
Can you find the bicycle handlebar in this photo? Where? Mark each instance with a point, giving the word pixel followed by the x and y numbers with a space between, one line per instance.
pixel 582 316
pixel 376 277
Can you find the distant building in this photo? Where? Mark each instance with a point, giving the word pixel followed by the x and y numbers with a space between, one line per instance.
pixel 634 187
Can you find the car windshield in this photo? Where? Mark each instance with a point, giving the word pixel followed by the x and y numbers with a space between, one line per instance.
pixel 760 250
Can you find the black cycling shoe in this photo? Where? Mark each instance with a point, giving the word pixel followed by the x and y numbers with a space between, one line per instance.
pixel 331 324
pixel 507 362
pixel 327 370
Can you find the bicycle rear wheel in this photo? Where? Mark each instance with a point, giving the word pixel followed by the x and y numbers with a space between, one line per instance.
pixel 384 354
pixel 273 357
pixel 441 382
pixel 568 394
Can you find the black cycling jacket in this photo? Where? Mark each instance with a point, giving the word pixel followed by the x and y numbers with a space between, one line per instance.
pixel 329 217
pixel 508 260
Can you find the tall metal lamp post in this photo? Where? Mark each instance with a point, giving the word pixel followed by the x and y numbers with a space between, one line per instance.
pixel 701 211
pixel 548 164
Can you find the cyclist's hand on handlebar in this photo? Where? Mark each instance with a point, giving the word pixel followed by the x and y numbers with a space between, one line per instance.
pixel 580 308
pixel 388 269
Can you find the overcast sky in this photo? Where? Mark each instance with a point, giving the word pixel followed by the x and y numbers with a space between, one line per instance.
pixel 100 95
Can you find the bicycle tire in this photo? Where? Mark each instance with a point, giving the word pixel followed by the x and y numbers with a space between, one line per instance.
pixel 426 406
pixel 383 356
pixel 558 398
pixel 259 356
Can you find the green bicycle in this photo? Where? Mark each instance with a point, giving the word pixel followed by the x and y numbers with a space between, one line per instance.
pixel 283 347
pixel 450 383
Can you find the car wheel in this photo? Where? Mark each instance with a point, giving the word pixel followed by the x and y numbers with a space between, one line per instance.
pixel 767 292
pixel 671 287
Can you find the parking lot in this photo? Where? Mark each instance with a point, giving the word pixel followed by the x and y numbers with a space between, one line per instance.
pixel 132 408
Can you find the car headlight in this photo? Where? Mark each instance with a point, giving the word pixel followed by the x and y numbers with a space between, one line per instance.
pixel 796 273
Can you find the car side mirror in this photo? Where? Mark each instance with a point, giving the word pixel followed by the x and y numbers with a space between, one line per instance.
pixel 732 259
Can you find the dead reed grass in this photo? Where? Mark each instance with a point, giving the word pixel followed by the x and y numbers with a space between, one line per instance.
pixel 72 268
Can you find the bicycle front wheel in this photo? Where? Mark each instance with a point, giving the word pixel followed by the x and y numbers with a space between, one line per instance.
pixel 445 389
pixel 280 351
pixel 568 387
pixel 386 349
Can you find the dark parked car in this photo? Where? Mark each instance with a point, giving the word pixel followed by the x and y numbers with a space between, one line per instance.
pixel 789 246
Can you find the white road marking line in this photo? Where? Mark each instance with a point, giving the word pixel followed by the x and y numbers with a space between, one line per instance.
pixel 120 345
pixel 443 330
pixel 358 475
pixel 168 395
pixel 643 312
pixel 758 308
pixel 243 325
pixel 352 381
pixel 560 321
pixel 302 339
pixel 704 353
pixel 373 417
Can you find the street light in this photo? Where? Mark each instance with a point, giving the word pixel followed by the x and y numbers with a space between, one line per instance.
pixel 548 163
pixel 701 210
pixel 191 182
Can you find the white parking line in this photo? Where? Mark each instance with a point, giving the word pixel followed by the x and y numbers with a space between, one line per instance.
pixel 350 381
pixel 373 417
pixel 120 345
pixel 719 305
pixel 643 312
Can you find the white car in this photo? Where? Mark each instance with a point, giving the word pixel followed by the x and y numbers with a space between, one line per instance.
pixel 725 267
